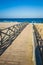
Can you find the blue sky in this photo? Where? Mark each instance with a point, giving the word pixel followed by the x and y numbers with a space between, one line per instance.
pixel 21 8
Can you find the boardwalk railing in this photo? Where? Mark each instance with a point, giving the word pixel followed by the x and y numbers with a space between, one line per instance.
pixel 38 47
pixel 7 35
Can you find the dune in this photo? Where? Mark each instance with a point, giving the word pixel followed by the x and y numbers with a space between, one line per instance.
pixel 7 24
pixel 40 29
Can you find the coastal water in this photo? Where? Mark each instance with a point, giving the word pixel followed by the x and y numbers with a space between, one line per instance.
pixel 30 20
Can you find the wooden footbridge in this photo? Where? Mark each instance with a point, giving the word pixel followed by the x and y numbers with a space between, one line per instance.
pixel 20 52
pixel 38 46
pixel 7 35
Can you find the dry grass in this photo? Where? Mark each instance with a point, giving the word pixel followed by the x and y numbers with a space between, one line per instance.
pixel 40 29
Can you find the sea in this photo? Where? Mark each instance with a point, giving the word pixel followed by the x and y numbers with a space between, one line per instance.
pixel 30 20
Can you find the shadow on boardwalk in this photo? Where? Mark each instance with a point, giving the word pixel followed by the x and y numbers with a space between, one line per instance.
pixel 9 34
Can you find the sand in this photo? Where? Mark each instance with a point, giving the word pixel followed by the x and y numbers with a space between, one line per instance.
pixel 7 24
pixel 20 52
pixel 40 29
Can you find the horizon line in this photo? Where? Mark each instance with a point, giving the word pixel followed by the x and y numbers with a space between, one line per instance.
pixel 23 17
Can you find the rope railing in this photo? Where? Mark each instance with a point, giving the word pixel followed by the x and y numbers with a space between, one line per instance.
pixel 38 47
pixel 7 35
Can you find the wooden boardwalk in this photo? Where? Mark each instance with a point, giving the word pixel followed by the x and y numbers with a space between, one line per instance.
pixel 20 52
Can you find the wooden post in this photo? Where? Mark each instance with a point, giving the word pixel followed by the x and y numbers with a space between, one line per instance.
pixel 0 38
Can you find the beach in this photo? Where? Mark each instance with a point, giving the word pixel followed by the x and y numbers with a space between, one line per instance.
pixel 7 24
pixel 21 51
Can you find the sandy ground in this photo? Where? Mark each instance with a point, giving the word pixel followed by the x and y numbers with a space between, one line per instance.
pixel 21 50
pixel 40 29
pixel 7 24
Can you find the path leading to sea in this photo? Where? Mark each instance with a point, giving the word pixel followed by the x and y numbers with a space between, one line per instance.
pixel 20 52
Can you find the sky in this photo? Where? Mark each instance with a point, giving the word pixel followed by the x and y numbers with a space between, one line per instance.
pixel 21 8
